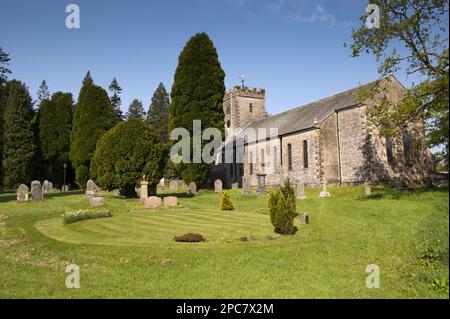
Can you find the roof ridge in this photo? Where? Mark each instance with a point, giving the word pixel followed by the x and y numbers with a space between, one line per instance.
pixel 320 100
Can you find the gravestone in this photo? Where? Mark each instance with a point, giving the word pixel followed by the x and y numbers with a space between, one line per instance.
pixel 235 185
pixel 152 201
pixel 218 186
pixel 173 186
pixel 65 188
pixel 47 186
pixel 300 189
pixel 261 189
pixel 246 186
pixel 304 219
pixel 192 188
pixel 367 189
pixel 161 183
pixel 96 201
pixel 143 192
pixel 36 191
pixel 22 193
pixel 170 201
pixel 324 192
pixel 90 188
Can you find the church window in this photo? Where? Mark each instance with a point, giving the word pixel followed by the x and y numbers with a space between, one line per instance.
pixel 250 107
pixel 305 154
pixel 289 157
pixel 275 158
pixel 228 110
pixel 389 151
pixel 407 147
pixel 228 124
pixel 251 163
pixel 262 159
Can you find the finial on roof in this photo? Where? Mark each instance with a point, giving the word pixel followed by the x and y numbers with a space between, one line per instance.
pixel 242 81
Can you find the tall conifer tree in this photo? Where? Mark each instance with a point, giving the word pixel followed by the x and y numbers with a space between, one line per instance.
pixel 93 116
pixel 158 112
pixel 197 94
pixel 19 141
pixel 115 89
pixel 55 125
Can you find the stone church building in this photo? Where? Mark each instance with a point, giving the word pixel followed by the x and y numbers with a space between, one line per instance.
pixel 330 139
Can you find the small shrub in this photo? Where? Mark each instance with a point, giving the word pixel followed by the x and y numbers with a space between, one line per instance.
pixel 282 207
pixel 190 238
pixel 225 202
pixel 75 215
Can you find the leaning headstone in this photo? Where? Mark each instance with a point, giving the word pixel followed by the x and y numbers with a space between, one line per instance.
pixel 324 192
pixel 96 201
pixel 152 201
pixel 22 193
pixel 300 189
pixel 173 186
pixel 47 186
pixel 161 183
pixel 192 188
pixel 246 186
pixel 36 191
pixel 235 185
pixel 218 186
pixel 170 201
pixel 143 193
pixel 304 219
pixel 90 187
pixel 367 189
pixel 261 189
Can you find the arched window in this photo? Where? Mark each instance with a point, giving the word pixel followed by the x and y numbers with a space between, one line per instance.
pixel 305 154
pixel 251 163
pixel 289 157
pixel 250 107
pixel 228 124
pixel 389 151
pixel 407 147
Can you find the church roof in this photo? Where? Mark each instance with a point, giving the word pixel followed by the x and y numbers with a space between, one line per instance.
pixel 303 117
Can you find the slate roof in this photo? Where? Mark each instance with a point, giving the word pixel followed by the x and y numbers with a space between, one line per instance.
pixel 303 117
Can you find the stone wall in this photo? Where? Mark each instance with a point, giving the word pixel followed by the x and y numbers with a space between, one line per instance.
pixel 329 151
pixel 276 175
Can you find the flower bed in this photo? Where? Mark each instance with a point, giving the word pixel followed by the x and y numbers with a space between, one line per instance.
pixel 75 215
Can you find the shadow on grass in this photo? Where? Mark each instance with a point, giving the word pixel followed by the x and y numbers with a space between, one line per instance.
pixel 385 192
pixel 8 197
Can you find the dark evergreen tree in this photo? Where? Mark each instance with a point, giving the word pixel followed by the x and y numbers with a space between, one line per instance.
pixel 158 112
pixel 19 142
pixel 55 125
pixel 43 93
pixel 93 116
pixel 115 89
pixel 88 79
pixel 197 94
pixel 4 71
pixel 136 111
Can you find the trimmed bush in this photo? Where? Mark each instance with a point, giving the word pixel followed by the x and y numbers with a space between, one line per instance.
pixel 190 238
pixel 282 207
pixel 75 215
pixel 225 202
pixel 127 152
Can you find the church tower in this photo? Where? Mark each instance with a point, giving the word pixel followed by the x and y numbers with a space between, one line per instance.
pixel 243 105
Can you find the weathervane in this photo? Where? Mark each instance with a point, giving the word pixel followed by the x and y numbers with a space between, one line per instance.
pixel 242 81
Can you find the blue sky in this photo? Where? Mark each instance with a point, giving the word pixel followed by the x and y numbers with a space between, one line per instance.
pixel 292 48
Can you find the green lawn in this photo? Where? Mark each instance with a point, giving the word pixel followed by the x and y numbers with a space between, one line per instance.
pixel 132 254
